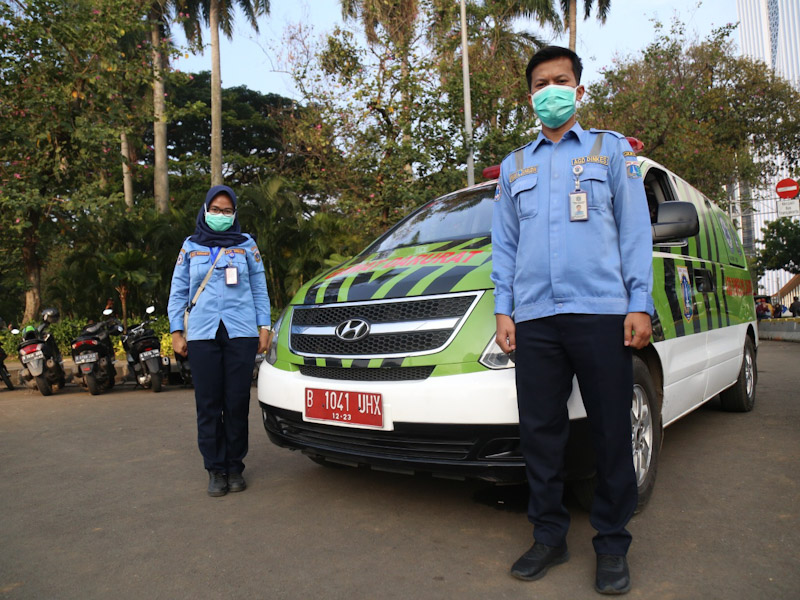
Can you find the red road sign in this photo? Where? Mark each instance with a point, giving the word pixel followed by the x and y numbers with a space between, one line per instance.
pixel 787 188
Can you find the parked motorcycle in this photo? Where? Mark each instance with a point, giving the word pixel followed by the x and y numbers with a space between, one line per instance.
pixel 4 374
pixel 143 350
pixel 39 354
pixel 93 353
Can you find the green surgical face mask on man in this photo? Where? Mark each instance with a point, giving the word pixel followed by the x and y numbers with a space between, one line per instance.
pixel 554 105
pixel 219 222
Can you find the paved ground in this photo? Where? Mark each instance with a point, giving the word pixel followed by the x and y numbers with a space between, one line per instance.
pixel 104 497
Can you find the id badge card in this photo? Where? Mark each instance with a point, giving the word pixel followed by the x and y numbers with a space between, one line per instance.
pixel 578 206
pixel 231 276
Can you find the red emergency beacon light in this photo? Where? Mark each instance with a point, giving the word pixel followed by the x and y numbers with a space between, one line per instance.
pixel 492 172
pixel 636 144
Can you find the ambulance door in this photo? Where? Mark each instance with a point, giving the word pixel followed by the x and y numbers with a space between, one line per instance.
pixel 680 331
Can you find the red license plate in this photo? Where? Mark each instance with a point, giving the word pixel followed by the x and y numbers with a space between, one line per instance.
pixel 354 408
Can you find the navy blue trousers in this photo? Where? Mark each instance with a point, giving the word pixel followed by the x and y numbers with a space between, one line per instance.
pixel 549 352
pixel 222 370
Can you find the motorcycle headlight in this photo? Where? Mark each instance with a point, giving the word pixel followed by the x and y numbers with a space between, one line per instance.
pixel 494 358
pixel 272 355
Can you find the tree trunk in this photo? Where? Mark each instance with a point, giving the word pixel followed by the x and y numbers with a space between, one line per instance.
pixel 216 97
pixel 33 272
pixel 127 179
pixel 573 9
pixel 160 174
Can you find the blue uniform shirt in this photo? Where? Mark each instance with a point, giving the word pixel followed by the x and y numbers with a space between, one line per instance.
pixel 543 263
pixel 241 307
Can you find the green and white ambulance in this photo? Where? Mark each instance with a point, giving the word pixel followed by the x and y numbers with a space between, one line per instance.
pixel 389 360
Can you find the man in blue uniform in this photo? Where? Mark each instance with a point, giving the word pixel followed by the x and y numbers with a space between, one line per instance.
pixel 572 267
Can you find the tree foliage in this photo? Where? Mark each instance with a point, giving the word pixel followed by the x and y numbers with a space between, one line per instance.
pixel 700 109
pixel 62 110
pixel 781 246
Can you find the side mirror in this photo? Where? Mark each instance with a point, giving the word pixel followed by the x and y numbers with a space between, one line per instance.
pixel 107 311
pixel 15 331
pixel 676 221
pixel 150 310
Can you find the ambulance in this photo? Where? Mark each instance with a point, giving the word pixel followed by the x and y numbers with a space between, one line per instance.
pixel 389 360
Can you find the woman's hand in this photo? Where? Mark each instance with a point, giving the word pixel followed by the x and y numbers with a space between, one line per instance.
pixel 179 343
pixel 264 340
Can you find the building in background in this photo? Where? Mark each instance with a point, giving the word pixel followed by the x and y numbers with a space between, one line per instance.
pixel 769 31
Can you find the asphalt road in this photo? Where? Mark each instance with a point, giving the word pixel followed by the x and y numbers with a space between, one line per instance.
pixel 104 497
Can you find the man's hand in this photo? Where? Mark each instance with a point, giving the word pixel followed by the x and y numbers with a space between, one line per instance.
pixel 506 333
pixel 179 343
pixel 637 329
pixel 264 340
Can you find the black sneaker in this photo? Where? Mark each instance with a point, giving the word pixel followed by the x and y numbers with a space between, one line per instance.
pixel 217 483
pixel 236 482
pixel 537 560
pixel 613 576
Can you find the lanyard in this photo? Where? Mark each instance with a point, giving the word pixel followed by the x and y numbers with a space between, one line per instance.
pixel 214 252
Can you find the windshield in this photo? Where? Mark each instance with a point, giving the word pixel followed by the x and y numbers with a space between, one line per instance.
pixel 460 216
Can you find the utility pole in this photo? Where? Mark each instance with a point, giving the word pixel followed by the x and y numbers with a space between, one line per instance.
pixel 467 101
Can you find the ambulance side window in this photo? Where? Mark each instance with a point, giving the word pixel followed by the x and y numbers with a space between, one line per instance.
pixel 658 190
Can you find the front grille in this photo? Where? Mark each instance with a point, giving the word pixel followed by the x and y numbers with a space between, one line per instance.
pixel 384 312
pixel 396 327
pixel 375 344
pixel 365 374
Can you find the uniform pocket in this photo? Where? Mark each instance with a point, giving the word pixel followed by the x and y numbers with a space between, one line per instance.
pixel 199 264
pixel 526 197
pixel 594 181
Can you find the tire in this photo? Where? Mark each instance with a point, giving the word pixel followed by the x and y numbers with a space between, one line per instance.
pixel 741 396
pixel 646 437
pixel 646 430
pixel 155 382
pixel 44 386
pixel 92 384
pixel 6 377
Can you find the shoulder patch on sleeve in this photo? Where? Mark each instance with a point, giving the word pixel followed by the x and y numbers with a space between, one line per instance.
pixel 633 169
pixel 256 254
pixel 497 191
pixel 181 256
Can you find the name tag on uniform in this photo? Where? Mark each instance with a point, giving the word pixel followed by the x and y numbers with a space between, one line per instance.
pixel 231 276
pixel 578 206
pixel 578 201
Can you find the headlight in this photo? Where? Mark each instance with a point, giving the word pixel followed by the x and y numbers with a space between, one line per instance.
pixel 494 358
pixel 272 355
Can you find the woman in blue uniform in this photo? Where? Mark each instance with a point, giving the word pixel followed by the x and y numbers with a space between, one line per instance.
pixel 227 326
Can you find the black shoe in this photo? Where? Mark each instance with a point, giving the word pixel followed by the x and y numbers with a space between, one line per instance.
pixel 534 563
pixel 613 576
pixel 236 482
pixel 217 483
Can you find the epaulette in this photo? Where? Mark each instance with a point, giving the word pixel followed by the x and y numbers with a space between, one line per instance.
pixel 614 133
pixel 515 149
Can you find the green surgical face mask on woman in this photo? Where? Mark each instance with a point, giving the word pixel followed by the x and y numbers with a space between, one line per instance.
pixel 554 104
pixel 219 222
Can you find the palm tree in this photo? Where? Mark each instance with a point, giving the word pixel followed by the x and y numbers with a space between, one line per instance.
pixel 218 15
pixel 570 9
pixel 159 14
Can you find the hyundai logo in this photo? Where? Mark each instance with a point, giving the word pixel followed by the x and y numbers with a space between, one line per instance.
pixel 352 330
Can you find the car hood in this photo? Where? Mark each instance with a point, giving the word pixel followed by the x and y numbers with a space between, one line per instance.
pixel 421 270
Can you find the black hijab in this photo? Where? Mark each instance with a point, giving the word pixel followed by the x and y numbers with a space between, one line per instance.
pixel 205 236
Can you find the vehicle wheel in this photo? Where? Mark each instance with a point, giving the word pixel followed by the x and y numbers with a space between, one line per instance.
pixel 91 383
pixel 44 386
pixel 155 382
pixel 741 396
pixel 646 430
pixel 6 378
pixel 646 438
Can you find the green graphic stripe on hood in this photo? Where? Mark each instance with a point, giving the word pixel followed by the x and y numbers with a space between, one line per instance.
pixel 425 269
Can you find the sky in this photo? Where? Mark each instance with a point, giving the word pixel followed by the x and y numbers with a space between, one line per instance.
pixel 251 58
